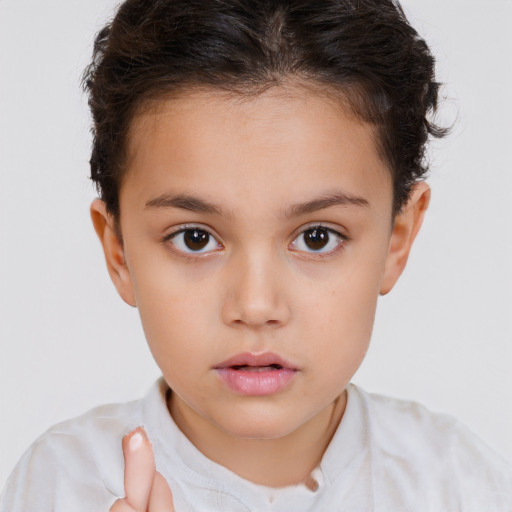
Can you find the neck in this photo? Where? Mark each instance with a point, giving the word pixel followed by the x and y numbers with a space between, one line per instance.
pixel 275 462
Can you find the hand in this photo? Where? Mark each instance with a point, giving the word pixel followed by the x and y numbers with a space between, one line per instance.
pixel 146 490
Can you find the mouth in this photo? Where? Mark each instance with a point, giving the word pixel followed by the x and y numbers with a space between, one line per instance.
pixel 256 374
pixel 248 368
pixel 247 362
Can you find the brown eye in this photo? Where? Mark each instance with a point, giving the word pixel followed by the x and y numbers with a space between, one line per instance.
pixel 196 239
pixel 193 240
pixel 316 238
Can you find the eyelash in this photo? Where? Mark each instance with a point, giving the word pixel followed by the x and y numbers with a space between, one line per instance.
pixel 192 254
pixel 342 239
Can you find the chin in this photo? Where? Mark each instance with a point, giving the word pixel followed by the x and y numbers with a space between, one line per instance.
pixel 259 426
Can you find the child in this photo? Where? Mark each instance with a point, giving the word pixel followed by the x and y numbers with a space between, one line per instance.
pixel 260 172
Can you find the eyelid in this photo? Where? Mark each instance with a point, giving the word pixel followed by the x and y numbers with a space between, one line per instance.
pixel 186 227
pixel 318 254
pixel 325 225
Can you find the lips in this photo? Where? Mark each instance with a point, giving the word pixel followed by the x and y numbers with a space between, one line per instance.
pixel 256 374
pixel 250 361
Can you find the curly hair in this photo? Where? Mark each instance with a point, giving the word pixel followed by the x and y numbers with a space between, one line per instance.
pixel 364 50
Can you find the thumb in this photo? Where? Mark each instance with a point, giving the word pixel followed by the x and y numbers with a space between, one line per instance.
pixel 139 470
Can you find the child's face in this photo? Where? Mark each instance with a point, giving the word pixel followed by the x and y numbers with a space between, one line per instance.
pixel 251 181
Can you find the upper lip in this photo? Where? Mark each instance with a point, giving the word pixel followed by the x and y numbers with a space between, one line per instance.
pixel 249 359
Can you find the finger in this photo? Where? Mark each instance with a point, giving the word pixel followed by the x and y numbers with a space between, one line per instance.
pixel 121 505
pixel 139 469
pixel 160 499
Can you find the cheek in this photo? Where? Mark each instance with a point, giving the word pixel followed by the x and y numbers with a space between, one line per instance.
pixel 339 317
pixel 347 295
pixel 343 322
pixel 341 339
pixel 174 311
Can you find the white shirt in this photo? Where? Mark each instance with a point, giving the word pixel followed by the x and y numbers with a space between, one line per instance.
pixel 386 455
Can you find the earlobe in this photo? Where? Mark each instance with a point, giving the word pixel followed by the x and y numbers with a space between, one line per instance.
pixel 405 228
pixel 113 249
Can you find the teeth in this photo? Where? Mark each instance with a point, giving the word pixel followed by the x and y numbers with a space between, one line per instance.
pixel 247 368
pixel 257 368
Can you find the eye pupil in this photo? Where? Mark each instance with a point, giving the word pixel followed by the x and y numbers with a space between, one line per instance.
pixel 316 238
pixel 196 239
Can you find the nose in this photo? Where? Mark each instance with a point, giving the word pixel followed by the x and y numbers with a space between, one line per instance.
pixel 255 293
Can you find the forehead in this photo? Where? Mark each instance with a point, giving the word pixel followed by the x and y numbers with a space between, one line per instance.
pixel 285 140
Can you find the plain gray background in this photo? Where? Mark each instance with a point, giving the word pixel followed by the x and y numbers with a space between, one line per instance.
pixel 68 343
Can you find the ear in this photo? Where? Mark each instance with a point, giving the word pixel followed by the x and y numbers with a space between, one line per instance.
pixel 405 228
pixel 114 253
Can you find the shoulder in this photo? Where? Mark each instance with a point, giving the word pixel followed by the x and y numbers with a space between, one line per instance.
pixel 94 430
pixel 80 457
pixel 433 452
pixel 416 421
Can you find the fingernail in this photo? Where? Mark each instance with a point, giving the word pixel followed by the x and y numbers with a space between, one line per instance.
pixel 129 433
pixel 136 440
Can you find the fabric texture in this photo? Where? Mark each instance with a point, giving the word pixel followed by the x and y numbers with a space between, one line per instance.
pixel 387 455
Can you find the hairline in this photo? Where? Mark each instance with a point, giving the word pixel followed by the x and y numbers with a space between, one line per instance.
pixel 150 104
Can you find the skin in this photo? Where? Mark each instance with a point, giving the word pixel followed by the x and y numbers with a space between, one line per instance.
pixel 145 488
pixel 258 286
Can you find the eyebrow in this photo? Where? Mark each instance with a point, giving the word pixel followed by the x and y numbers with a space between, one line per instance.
pixel 196 204
pixel 185 202
pixel 326 201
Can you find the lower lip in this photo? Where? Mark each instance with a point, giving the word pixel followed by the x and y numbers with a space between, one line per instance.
pixel 255 382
